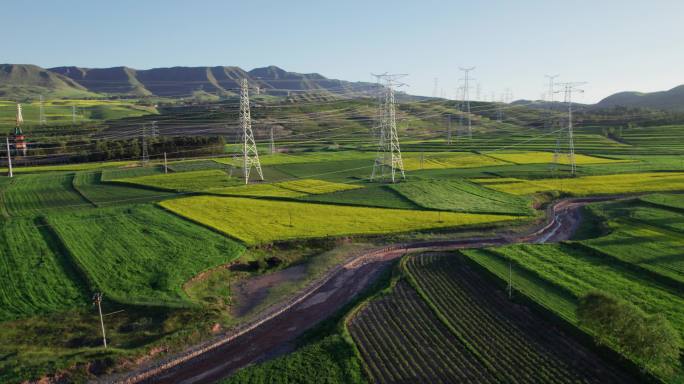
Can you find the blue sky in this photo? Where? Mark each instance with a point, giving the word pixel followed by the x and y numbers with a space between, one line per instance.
pixel 612 45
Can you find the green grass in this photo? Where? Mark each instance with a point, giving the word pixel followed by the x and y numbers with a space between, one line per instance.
pixel 462 196
pixel 192 181
pixel 296 188
pixel 643 235
pixel 34 194
pixel 68 167
pixel 36 277
pixel 90 185
pixel 141 254
pixel 578 272
pixel 130 172
pixel 262 221
pixel 669 201
pixel 330 361
pixel 373 195
pixel 60 111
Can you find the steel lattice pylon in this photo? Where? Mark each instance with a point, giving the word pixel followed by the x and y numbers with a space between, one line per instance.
pixel 567 134
pixel 250 156
pixel 389 151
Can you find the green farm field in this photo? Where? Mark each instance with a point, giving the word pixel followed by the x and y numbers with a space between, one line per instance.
pixel 167 252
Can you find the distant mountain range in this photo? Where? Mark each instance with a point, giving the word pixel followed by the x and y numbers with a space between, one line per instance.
pixel 27 81
pixel 24 80
pixel 671 100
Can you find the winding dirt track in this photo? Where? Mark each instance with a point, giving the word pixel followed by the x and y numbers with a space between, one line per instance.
pixel 277 330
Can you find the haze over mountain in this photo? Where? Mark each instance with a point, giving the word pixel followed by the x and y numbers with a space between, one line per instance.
pixel 165 82
pixel 25 80
pixel 672 100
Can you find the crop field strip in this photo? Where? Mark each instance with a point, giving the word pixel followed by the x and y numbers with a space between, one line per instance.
pixel 641 235
pixel 462 196
pixel 380 196
pixel 91 187
pixel 547 157
pixel 401 340
pixel 36 277
pixel 256 221
pixel 576 272
pixel 34 194
pixel 505 335
pixel 168 252
pixel 666 200
pixel 594 185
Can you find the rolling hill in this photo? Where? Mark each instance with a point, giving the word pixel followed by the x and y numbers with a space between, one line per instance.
pixel 671 100
pixel 221 80
pixel 26 80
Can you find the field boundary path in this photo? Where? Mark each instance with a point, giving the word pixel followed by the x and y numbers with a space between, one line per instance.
pixel 281 324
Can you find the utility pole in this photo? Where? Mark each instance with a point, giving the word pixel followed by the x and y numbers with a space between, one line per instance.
pixel 97 299
pixel 389 152
pixel 73 115
pixel 166 165
pixel 568 89
pixel 9 158
pixel 145 155
pixel 41 114
pixel 250 156
pixel 466 96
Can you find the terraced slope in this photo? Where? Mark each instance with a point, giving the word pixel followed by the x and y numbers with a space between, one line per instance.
pixel 402 340
pixel 506 337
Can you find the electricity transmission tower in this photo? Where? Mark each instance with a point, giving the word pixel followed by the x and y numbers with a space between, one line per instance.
pixel 466 96
pixel 434 90
pixel 389 152
pixel 41 117
pixel 568 89
pixel 155 129
pixel 250 156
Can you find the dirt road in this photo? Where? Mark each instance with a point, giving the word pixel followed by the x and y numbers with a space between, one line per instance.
pixel 278 329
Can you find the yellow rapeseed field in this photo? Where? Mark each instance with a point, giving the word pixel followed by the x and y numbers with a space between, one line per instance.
pixel 257 221
pixel 534 157
pixel 443 160
pixel 295 188
pixel 594 185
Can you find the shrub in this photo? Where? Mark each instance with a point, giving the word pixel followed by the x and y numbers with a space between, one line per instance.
pixel 649 339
